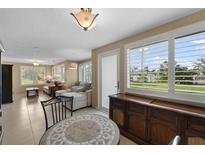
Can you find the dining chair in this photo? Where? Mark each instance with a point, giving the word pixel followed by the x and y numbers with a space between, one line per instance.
pixel 55 109
pixel 175 141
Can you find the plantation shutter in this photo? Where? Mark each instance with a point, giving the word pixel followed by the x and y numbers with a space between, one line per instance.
pixel 147 66
pixel 190 63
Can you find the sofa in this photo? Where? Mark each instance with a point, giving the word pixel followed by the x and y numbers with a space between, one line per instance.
pixel 82 96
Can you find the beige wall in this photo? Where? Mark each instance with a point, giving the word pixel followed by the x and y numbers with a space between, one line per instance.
pixel 71 75
pixel 16 73
pixel 196 17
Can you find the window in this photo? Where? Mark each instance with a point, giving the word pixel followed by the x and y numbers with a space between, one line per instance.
pixel 190 64
pixel 27 75
pixel 40 74
pixel 148 66
pixel 32 75
pixel 59 72
pixel 85 72
pixel 169 65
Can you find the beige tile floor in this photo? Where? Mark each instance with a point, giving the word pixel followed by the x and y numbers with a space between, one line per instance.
pixel 24 121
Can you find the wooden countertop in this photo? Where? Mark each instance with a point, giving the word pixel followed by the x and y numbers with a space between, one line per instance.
pixel 136 99
pixel 172 106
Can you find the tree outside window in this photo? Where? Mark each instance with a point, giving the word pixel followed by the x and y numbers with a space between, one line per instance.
pixel 32 75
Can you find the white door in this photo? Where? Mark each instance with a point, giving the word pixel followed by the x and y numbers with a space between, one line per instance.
pixel 109 77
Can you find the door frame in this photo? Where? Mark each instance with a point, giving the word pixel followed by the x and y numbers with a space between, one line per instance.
pixel 100 56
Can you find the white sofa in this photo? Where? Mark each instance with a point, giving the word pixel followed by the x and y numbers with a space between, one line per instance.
pixel 80 99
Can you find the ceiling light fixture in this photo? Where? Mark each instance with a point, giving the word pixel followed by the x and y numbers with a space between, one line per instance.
pixel 85 18
pixel 73 66
pixel 35 63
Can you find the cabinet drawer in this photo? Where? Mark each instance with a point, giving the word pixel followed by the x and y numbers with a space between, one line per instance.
pixel 117 103
pixel 163 115
pixel 133 107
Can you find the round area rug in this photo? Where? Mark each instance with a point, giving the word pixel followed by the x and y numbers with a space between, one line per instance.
pixel 82 129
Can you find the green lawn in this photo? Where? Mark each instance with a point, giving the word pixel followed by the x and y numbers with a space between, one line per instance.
pixel 26 81
pixel 164 87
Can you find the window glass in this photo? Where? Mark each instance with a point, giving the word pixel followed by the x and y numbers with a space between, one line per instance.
pixel 85 72
pixel 40 74
pixel 32 75
pixel 59 72
pixel 190 64
pixel 148 66
pixel 27 75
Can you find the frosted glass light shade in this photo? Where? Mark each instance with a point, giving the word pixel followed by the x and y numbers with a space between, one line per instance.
pixel 36 64
pixel 85 18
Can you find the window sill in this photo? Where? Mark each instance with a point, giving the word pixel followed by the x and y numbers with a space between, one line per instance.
pixel 189 99
pixel 26 85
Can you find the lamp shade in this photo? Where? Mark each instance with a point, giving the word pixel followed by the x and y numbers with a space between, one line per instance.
pixel 85 18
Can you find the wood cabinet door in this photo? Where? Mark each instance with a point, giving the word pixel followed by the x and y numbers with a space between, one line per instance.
pixel 7 84
pixel 162 126
pixel 136 120
pixel 160 133
pixel 195 131
pixel 136 124
pixel 117 112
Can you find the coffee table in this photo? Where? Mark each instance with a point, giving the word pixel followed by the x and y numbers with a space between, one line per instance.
pixel 91 129
pixel 32 91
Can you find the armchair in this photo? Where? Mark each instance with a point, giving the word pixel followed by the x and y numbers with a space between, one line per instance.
pixel 52 88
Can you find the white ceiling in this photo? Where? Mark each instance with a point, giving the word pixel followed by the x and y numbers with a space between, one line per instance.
pixel 57 37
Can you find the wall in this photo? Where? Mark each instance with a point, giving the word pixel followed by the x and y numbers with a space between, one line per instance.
pixel 17 87
pixel 71 75
pixel 196 17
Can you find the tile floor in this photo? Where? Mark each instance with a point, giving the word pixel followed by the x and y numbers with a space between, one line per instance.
pixel 24 120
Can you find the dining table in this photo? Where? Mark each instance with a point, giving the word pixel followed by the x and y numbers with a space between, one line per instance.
pixel 88 129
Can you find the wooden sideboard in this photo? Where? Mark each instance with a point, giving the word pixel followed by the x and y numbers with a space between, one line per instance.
pixel 151 121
